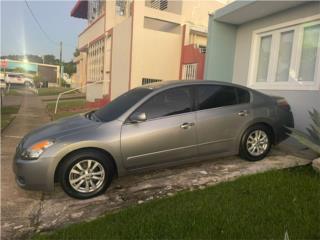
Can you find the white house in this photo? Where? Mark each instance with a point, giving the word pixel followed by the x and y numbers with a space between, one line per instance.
pixel 271 46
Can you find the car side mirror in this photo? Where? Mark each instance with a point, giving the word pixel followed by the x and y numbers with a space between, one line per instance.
pixel 138 117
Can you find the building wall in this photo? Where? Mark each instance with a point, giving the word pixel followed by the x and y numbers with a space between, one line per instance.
pixel 112 19
pixel 155 54
pixel 120 71
pixel 220 51
pixel 153 50
pixel 197 11
pixel 92 32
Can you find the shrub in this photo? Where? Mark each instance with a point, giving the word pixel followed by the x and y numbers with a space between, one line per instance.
pixel 312 139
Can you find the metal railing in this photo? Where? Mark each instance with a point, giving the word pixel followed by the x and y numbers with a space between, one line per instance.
pixel 72 90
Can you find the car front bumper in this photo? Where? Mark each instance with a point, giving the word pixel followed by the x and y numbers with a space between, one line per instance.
pixel 33 174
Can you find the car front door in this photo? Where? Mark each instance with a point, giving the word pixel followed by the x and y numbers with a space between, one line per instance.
pixel 168 134
pixel 222 113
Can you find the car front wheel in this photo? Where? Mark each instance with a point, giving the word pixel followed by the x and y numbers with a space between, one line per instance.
pixel 86 174
pixel 255 143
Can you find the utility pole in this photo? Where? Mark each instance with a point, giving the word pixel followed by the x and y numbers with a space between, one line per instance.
pixel 60 80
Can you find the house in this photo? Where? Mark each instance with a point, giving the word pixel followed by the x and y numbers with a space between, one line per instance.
pixel 46 72
pixel 271 46
pixel 130 43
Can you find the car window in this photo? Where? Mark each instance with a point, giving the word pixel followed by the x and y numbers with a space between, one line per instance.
pixel 167 103
pixel 213 96
pixel 243 96
pixel 121 104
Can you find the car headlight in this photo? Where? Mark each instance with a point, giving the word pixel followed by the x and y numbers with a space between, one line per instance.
pixel 36 150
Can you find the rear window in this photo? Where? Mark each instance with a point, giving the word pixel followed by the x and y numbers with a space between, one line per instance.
pixel 15 75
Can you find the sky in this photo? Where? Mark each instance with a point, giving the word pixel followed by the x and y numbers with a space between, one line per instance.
pixel 21 35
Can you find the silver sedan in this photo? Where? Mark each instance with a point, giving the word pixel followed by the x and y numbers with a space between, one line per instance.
pixel 150 127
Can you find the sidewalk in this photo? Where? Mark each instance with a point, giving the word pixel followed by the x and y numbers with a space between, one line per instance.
pixel 19 207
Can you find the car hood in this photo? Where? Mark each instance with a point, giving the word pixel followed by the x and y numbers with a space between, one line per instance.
pixel 58 129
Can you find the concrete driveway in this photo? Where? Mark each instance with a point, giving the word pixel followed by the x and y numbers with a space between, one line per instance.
pixel 27 212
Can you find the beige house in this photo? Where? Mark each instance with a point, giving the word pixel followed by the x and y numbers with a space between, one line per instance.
pixel 130 43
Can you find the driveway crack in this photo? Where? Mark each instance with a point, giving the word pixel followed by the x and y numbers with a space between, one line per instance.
pixel 35 220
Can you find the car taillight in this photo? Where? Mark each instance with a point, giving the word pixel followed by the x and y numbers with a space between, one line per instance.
pixel 282 103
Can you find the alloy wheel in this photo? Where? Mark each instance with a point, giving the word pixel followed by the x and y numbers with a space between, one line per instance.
pixel 87 176
pixel 257 142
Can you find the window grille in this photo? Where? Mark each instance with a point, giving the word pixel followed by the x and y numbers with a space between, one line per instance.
pixel 203 49
pixel 190 71
pixel 96 61
pixel 149 80
pixel 159 4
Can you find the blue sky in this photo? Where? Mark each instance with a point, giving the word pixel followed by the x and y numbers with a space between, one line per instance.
pixel 20 34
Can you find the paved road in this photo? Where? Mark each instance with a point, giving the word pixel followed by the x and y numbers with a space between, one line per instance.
pixel 26 212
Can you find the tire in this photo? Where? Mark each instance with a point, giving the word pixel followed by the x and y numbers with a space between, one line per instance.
pixel 100 176
pixel 249 149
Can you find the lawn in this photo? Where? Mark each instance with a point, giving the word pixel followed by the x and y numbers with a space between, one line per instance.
pixel 67 108
pixel 262 206
pixel 7 115
pixel 13 92
pixel 52 91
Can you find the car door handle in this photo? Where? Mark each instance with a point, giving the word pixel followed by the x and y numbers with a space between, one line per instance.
pixel 243 113
pixel 186 125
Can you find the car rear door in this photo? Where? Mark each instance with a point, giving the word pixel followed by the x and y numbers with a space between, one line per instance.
pixel 167 135
pixel 222 113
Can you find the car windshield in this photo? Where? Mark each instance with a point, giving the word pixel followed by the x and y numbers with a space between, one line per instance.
pixel 121 104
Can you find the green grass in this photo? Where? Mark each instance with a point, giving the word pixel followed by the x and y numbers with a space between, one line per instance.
pixel 262 206
pixel 66 108
pixel 13 92
pixel 52 91
pixel 6 115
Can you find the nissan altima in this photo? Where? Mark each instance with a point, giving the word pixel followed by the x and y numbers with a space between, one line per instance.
pixel 150 127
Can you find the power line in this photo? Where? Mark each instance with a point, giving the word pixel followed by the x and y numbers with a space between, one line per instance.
pixel 38 23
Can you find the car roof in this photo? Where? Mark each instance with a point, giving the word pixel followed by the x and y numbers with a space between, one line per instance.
pixel 172 83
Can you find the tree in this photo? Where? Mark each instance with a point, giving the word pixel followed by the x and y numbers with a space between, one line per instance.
pixel 50 59
pixel 76 53
pixel 69 67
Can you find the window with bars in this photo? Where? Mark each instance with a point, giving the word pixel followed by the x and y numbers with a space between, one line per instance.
pixel 121 7
pixel 149 80
pixel 95 8
pixel 190 71
pixel 96 61
pixel 203 49
pixel 159 4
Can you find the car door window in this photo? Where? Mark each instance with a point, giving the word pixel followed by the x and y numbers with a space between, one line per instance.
pixel 214 96
pixel 167 103
pixel 243 96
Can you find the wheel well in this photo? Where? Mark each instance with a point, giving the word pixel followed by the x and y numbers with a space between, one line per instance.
pixel 269 127
pixel 57 170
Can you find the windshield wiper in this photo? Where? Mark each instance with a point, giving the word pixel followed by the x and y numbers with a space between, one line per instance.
pixel 95 117
pixel 92 116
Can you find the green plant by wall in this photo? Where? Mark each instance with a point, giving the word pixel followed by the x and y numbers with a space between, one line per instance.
pixel 312 139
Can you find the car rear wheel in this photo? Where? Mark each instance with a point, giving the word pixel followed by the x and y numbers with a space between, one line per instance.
pixel 86 174
pixel 255 143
